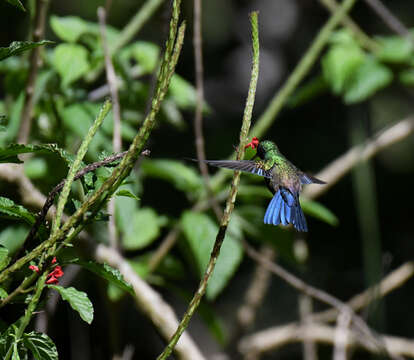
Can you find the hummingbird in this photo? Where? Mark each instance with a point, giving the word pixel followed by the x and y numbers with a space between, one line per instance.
pixel 282 178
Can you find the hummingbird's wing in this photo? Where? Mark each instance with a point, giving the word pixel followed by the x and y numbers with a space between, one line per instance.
pixel 251 166
pixel 309 179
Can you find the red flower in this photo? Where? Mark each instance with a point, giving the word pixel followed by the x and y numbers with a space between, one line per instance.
pixel 54 260
pixel 253 144
pixel 52 277
pixel 34 268
pixel 52 280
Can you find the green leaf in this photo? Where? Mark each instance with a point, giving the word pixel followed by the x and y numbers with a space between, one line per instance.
pixel 339 65
pixel 9 153
pixel 68 28
pixel 142 229
pixel 127 193
pixel 144 53
pixel 13 238
pixel 200 232
pixel 17 47
pixel 181 176
pixel 394 49
pixel 14 211
pixel 41 346
pixel 78 300
pixel 318 211
pixel 107 272
pixel 17 3
pixel 367 80
pixel 35 168
pixel 182 92
pixel 4 257
pixel 71 62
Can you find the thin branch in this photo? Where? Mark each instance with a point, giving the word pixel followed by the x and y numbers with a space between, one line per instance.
pixel 342 165
pixel 198 120
pixel 341 336
pixel 116 138
pixel 390 19
pixel 38 33
pixel 150 302
pixel 347 21
pixel 276 337
pixel 305 311
pixel 230 200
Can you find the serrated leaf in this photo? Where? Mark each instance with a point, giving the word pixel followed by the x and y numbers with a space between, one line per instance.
pixel 4 257
pixel 107 272
pixel 141 230
pixel 366 81
pixel 339 65
pixel 17 3
pixel 9 153
pixel 71 62
pixel 200 232
pixel 41 346
pixel 78 300
pixel 394 49
pixel 17 47
pixel 183 177
pixel 319 211
pixel 127 193
pixel 12 210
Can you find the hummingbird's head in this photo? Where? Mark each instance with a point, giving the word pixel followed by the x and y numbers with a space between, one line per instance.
pixel 264 147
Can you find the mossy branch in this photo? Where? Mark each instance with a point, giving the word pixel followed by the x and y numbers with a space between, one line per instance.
pixel 230 200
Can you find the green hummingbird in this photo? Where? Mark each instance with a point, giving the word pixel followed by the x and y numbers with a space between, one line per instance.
pixel 282 178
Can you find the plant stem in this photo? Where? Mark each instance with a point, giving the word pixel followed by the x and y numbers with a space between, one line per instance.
pixel 230 200
pixel 76 165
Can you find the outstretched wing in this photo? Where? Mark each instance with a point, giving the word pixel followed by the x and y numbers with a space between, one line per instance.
pixel 251 166
pixel 309 179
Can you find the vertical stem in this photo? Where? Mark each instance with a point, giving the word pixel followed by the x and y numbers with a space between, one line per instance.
pixel 230 200
pixel 27 113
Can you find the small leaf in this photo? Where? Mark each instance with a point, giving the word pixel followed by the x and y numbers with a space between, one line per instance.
pixel 68 28
pixel 318 211
pixel 3 293
pixel 143 228
pixel 183 177
pixel 107 272
pixel 4 257
pixel 127 193
pixel 339 65
pixel 9 153
pixel 71 62
pixel 12 210
pixel 41 346
pixel 395 49
pixel 17 3
pixel 367 80
pixel 78 300
pixel 200 232
pixel 13 238
pixel 17 47
pixel 144 53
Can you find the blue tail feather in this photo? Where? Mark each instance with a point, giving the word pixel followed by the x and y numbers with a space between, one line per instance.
pixel 285 209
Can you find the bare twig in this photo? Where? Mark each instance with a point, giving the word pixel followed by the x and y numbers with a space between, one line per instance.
pixel 150 302
pixel 116 138
pixel 390 19
pixel 27 113
pixel 198 120
pixel 347 21
pixel 305 312
pixel 276 337
pixel 341 336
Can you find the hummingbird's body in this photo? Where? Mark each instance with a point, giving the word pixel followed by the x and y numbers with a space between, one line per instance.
pixel 282 178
